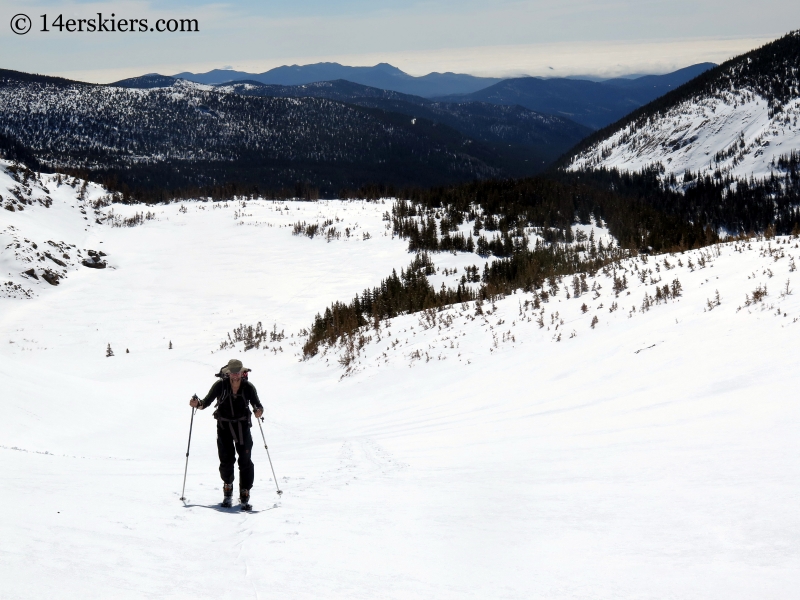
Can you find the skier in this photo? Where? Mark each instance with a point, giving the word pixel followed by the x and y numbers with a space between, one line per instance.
pixel 233 392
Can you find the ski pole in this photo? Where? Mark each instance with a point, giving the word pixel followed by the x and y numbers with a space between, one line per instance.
pixel 186 468
pixel 268 456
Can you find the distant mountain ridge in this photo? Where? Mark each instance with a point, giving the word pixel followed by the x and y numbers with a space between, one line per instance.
pixel 594 104
pixel 190 137
pixel 590 103
pixel 155 131
pixel 382 75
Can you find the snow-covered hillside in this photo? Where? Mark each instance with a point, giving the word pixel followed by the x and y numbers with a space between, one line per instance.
pixel 47 234
pixel 581 305
pixel 736 121
pixel 187 121
pixel 736 133
pixel 202 136
pixel 627 441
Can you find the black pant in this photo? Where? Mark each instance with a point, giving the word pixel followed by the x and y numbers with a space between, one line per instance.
pixel 226 445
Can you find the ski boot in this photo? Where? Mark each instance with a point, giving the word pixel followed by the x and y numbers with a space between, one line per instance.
pixel 244 499
pixel 227 490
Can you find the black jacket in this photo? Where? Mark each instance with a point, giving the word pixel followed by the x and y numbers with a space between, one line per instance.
pixel 230 407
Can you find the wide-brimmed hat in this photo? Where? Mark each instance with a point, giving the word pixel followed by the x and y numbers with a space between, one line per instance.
pixel 234 366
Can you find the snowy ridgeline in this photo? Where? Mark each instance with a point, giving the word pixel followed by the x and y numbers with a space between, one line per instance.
pixel 735 133
pixel 739 280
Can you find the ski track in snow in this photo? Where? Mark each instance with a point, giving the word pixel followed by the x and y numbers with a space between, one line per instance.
pixel 463 455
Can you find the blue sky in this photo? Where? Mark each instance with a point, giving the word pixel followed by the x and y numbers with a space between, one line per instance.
pixel 500 37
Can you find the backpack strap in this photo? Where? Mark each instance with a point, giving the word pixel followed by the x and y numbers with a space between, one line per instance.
pixel 228 393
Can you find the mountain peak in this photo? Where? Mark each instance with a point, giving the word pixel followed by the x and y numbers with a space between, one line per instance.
pixel 382 75
pixel 149 81
pixel 387 68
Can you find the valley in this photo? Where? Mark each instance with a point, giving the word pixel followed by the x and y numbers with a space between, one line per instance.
pixel 517 439
pixel 521 338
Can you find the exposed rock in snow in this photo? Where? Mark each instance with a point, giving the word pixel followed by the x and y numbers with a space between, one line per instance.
pixel 46 228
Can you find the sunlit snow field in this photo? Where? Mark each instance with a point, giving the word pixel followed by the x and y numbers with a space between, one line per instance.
pixel 511 454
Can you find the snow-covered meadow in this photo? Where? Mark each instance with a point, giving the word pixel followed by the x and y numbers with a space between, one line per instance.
pixel 508 450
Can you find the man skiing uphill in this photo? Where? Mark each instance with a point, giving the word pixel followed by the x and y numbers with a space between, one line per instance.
pixel 233 394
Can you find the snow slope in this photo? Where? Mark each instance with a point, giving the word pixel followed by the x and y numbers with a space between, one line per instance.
pixel 45 239
pixel 735 133
pixel 654 455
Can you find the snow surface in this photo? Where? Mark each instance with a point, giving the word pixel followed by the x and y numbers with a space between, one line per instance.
pixel 652 456
pixel 738 124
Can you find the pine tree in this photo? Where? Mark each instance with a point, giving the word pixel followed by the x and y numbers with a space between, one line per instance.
pixel 109 351
pixel 170 344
